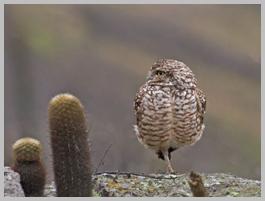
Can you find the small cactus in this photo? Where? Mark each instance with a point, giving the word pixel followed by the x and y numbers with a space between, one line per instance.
pixel 27 162
pixel 71 156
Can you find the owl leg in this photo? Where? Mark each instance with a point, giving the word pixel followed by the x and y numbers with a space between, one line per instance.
pixel 160 155
pixel 169 166
pixel 171 149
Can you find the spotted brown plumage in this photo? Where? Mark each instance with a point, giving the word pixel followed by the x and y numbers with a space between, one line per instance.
pixel 169 109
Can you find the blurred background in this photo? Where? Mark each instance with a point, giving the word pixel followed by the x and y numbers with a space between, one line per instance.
pixel 102 53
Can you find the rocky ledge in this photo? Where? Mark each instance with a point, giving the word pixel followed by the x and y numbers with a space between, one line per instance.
pixel 129 184
pixel 12 184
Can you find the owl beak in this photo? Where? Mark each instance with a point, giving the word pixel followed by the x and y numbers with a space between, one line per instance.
pixel 158 78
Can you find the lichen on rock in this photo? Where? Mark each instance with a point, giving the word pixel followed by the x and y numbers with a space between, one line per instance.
pixel 164 185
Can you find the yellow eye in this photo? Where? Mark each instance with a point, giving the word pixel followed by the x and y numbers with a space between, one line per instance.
pixel 159 72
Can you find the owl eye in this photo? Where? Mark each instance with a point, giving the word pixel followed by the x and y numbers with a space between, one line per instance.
pixel 159 72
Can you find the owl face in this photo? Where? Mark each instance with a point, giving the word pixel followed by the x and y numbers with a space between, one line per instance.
pixel 171 73
pixel 160 76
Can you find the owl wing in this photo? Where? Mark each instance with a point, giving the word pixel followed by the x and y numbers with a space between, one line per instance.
pixel 138 103
pixel 201 100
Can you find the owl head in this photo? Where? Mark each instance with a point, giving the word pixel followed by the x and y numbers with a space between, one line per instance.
pixel 170 72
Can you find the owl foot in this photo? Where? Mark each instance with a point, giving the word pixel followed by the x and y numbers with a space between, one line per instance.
pixel 170 170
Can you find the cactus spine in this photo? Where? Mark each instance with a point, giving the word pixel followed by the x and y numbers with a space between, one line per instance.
pixel 71 157
pixel 27 162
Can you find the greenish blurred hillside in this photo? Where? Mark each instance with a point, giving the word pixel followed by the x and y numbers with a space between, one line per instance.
pixel 101 54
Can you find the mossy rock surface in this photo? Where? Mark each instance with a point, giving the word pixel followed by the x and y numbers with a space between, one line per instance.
pixel 163 185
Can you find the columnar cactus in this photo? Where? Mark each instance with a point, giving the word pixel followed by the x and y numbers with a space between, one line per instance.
pixel 27 162
pixel 71 157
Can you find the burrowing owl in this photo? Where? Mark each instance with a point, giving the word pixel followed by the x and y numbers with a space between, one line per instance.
pixel 169 109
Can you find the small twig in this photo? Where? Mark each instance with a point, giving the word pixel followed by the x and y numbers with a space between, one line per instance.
pixel 196 185
pixel 102 158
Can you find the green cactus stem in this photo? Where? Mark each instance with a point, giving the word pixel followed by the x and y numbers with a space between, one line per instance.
pixel 27 162
pixel 71 156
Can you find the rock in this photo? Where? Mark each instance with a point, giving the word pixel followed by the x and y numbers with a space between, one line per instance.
pixel 12 184
pixel 162 185
pixel 217 185
pixel 50 190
